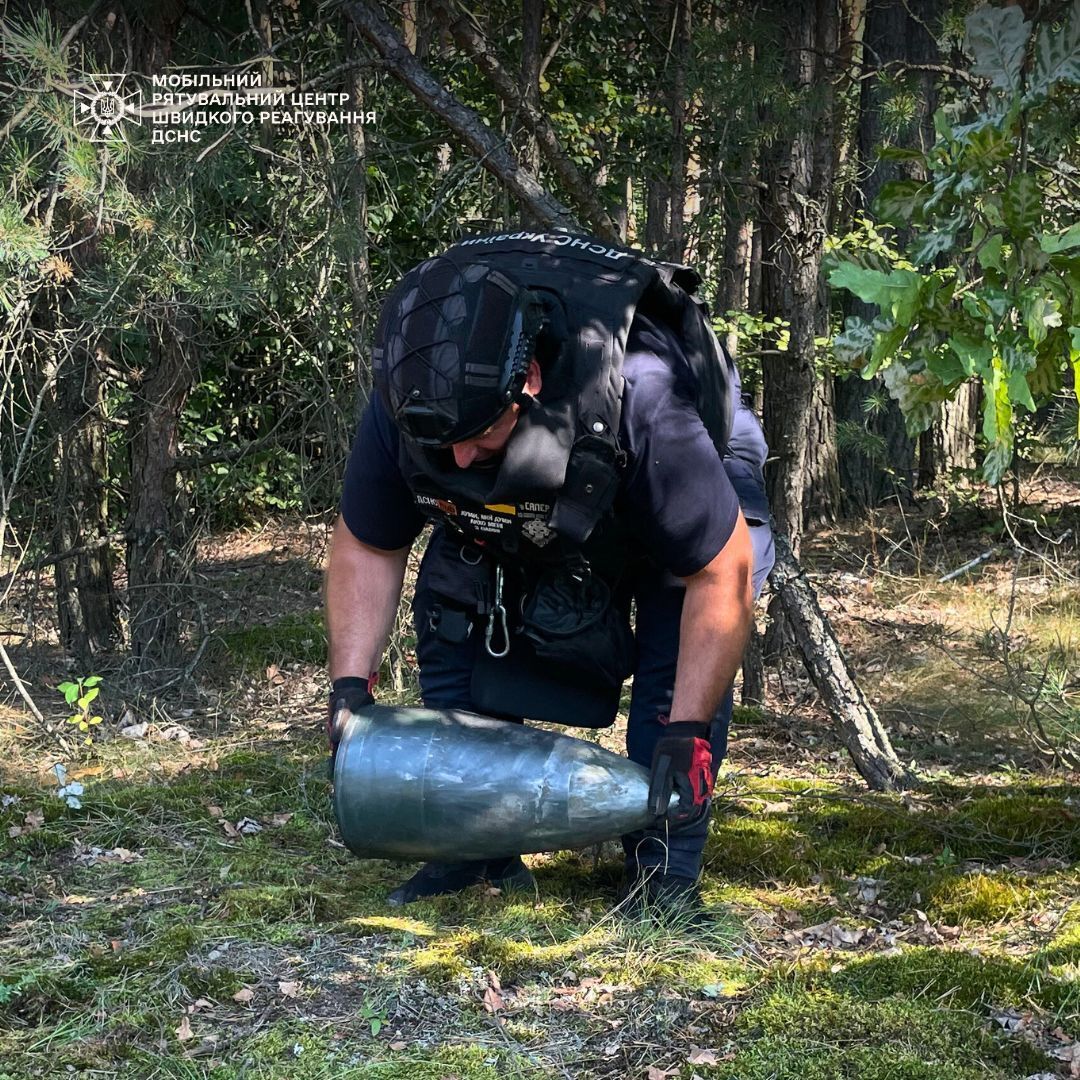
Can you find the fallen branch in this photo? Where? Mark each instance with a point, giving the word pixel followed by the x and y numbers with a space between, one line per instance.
pixel 970 564
pixel 860 729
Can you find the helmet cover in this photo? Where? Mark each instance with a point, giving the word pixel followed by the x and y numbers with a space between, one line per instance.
pixel 452 349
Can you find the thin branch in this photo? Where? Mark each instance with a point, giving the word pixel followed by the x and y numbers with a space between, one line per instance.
pixel 553 48
pixel 465 122
pixel 20 685
pixel 470 41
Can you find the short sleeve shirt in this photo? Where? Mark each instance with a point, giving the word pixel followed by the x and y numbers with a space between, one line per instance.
pixel 674 489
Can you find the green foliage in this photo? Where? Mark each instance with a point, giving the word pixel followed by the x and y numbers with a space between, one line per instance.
pixel 988 285
pixel 81 695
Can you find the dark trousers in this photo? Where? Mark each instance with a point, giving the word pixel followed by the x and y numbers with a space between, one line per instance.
pixel 446 672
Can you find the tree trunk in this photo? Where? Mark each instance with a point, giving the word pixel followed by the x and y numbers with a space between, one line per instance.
pixel 797 171
pixel 949 443
pixel 532 20
pixel 753 670
pixel 894 36
pixel 960 419
pixel 679 110
pixel 158 556
pixel 734 272
pixel 860 729
pixel 821 491
pixel 86 600
pixel 657 214
pixel 879 465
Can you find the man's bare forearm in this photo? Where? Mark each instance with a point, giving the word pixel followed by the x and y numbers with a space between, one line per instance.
pixel 362 590
pixel 714 628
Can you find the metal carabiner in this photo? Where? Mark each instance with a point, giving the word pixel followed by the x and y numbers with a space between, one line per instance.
pixel 498 612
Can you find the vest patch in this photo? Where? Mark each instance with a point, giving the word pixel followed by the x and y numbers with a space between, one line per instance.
pixel 527 519
pixel 444 506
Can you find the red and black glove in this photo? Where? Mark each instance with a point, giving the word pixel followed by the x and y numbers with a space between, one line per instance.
pixel 682 765
pixel 350 693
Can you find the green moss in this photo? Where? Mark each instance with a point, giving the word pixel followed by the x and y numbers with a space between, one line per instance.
pixel 165 948
pixel 757 849
pixel 210 982
pixel 951 977
pixel 1064 948
pixel 1035 824
pixel 747 715
pixel 917 1029
pixel 980 898
pixel 273 903
pixel 295 637
pixel 274 1054
pixel 802 1058
pixel 42 990
pixel 750 842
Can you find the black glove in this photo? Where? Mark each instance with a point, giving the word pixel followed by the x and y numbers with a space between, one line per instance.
pixel 682 765
pixel 351 693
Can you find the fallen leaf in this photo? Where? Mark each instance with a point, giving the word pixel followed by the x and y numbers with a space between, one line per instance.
pixel 34 820
pixel 279 819
pixel 90 770
pixel 660 1074
pixel 698 1056
pixel 202 1003
pixel 274 676
pixel 398 1044
pixel 243 996
pixel 124 855
pixel 230 829
pixel 184 1032
pixel 493 1001
pixel 135 731
pixel 288 989
pixel 214 811
pixel 1070 1054
pixel 867 889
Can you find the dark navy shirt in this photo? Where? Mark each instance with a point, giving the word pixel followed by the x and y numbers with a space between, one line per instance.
pixel 674 490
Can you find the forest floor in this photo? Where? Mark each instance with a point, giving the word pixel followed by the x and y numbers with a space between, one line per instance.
pixel 196 916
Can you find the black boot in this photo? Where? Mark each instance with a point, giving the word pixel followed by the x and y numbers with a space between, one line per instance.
pixel 442 878
pixel 669 899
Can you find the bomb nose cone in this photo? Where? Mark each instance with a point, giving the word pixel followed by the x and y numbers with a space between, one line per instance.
pixel 413 783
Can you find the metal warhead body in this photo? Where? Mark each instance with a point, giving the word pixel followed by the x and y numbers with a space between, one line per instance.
pixel 415 783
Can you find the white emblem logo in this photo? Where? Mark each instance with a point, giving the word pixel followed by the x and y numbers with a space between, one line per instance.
pixel 102 107
pixel 537 531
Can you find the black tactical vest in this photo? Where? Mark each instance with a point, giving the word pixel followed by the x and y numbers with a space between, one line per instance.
pixel 550 498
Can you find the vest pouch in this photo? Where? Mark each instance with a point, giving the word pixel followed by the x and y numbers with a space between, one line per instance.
pixel 457 573
pixel 571 621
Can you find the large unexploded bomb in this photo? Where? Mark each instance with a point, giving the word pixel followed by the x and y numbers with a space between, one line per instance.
pixel 412 783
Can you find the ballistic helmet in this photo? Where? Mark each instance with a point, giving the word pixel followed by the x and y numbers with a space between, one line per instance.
pixel 452 349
